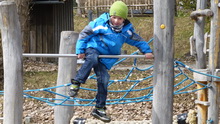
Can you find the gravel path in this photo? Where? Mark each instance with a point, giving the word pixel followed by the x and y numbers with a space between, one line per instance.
pixel 90 121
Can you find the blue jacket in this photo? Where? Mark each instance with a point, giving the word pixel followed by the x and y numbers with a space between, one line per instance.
pixel 99 35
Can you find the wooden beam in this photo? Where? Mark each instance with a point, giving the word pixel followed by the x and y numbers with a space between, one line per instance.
pixel 202 109
pixel 66 71
pixel 214 63
pixel 13 65
pixel 163 83
pixel 202 78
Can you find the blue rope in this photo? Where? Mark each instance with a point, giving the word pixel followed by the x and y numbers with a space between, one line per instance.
pixel 187 84
pixel 124 99
pixel 190 69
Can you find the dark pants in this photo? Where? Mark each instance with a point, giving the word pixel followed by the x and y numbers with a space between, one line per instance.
pixel 92 61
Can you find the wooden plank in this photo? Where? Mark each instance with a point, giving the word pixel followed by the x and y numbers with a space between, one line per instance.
pixel 163 81
pixel 33 32
pixel 39 31
pixel 33 43
pixel 66 71
pixel 202 96
pixel 44 31
pixel 13 66
pixel 50 34
pixel 201 78
pixel 54 26
pixel 214 63
pixel 213 109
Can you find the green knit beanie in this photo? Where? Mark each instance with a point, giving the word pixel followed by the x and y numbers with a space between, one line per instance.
pixel 120 9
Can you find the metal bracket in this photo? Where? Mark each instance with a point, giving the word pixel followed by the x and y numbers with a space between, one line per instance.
pixel 192 41
pixel 205 103
pixel 192 46
pixel 206 39
pixel 217 73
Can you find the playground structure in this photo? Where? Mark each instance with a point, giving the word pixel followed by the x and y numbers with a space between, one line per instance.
pixel 163 66
pixel 208 100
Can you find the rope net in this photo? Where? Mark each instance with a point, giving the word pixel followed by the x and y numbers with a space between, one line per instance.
pixel 135 85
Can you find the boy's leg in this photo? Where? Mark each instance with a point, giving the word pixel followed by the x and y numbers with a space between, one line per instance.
pixel 102 85
pixel 101 96
pixel 91 60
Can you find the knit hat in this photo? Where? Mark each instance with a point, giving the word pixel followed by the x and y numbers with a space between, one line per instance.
pixel 120 9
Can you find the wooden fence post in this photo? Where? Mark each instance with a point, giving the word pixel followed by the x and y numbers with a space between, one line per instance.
pixel 66 71
pixel 214 63
pixel 162 112
pixel 12 61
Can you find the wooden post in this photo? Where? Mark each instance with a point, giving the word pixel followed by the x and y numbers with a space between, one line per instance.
pixel 33 43
pixel 164 62
pixel 66 71
pixel 199 37
pixel 90 14
pixel 214 63
pixel 12 60
pixel 199 25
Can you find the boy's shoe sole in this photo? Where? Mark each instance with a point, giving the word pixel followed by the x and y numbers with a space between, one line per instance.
pixel 72 93
pixel 100 117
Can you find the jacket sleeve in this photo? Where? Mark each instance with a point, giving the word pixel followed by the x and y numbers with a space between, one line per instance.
pixel 84 37
pixel 139 42
pixel 93 28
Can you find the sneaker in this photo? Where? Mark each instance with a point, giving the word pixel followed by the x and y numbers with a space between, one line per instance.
pixel 74 88
pixel 99 113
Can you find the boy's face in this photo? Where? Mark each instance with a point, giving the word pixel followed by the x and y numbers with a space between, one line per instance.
pixel 116 20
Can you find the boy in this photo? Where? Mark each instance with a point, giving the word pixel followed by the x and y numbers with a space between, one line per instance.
pixel 105 36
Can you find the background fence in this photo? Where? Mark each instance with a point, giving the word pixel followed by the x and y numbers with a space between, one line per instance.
pixel 135 6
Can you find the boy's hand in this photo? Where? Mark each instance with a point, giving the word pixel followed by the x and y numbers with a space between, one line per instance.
pixel 81 56
pixel 149 55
